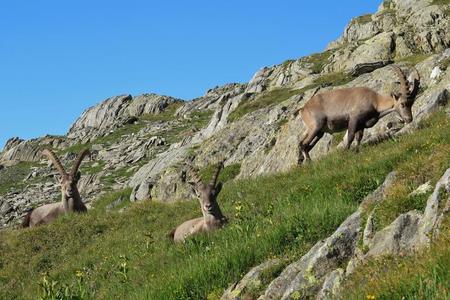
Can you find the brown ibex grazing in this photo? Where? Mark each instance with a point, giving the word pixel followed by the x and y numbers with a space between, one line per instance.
pixel 212 215
pixel 71 199
pixel 354 109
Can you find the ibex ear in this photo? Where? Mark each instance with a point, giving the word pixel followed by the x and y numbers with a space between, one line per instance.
pixel 218 188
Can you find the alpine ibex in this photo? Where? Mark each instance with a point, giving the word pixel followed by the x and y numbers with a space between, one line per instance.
pixel 355 109
pixel 212 215
pixel 71 199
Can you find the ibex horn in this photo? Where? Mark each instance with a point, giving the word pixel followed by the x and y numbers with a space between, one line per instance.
pixel 55 160
pixel 78 161
pixel 216 174
pixel 194 174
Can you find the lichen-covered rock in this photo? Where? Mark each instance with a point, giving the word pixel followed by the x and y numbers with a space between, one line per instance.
pixel 397 238
pixel 146 176
pixel 331 285
pixel 251 281
pixel 172 186
pixel 378 48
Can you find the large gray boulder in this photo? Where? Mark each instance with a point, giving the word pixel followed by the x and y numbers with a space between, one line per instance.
pixel 145 178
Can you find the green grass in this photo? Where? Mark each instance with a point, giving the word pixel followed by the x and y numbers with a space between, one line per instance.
pixel 440 2
pixel 127 255
pixel 337 138
pixel 266 99
pixel 413 59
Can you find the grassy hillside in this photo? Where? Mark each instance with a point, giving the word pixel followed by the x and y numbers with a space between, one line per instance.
pixel 125 253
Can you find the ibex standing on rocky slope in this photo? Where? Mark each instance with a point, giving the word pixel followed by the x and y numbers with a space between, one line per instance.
pixel 355 109
pixel 71 199
pixel 212 215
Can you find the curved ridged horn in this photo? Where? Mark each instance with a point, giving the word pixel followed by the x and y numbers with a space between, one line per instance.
pixel 414 82
pixel 55 160
pixel 403 81
pixel 80 158
pixel 216 174
pixel 194 174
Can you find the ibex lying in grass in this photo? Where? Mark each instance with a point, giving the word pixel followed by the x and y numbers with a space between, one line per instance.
pixel 71 200
pixel 354 109
pixel 212 215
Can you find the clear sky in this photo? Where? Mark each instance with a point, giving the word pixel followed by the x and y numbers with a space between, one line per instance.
pixel 58 58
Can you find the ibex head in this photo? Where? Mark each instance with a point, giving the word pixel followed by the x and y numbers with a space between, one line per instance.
pixel 408 92
pixel 207 193
pixel 68 181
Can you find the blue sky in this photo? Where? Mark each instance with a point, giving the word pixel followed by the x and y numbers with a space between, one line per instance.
pixel 58 58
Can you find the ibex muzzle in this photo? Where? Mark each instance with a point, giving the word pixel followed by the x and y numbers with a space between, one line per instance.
pixel 355 109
